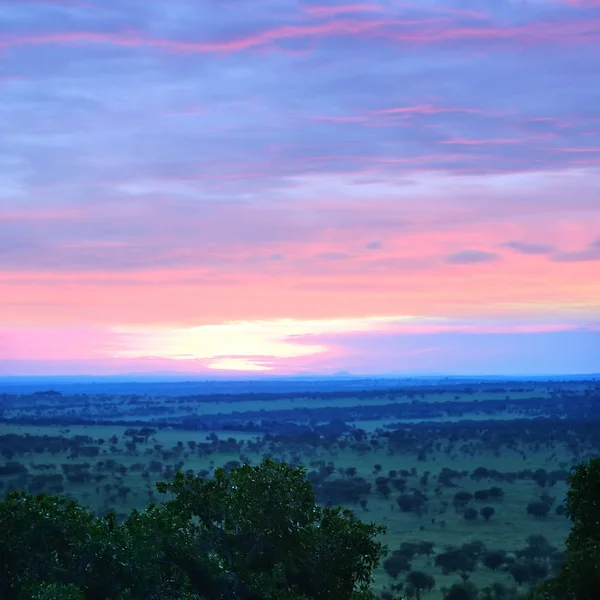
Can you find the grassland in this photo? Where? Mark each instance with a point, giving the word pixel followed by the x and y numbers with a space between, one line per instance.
pixel 525 434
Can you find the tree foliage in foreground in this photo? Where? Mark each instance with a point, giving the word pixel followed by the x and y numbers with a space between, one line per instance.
pixel 253 533
pixel 579 577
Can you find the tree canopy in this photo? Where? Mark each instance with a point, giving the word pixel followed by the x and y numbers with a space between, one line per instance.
pixel 246 533
pixel 250 533
pixel 579 577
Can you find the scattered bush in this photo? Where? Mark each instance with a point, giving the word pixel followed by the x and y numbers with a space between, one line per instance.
pixel 396 564
pixel 538 509
pixel 487 512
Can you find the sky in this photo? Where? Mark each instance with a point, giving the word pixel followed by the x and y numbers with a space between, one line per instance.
pixel 286 187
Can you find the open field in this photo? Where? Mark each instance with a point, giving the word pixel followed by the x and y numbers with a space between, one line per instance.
pixel 426 481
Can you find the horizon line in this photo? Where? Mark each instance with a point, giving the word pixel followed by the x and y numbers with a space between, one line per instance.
pixel 185 377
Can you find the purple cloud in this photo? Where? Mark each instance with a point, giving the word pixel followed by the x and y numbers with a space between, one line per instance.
pixel 281 153
pixel 471 257
pixel 525 248
pixel 592 254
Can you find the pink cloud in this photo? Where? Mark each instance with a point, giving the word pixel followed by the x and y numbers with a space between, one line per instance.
pixel 56 343
pixel 584 161
pixel 441 9
pixel 578 150
pixel 554 122
pixel 421 31
pixel 543 119
pixel 369 344
pixel 336 28
pixel 428 109
pixel 473 142
pixel 317 291
pixel 54 214
pixel 575 31
pixel 418 225
pixel 405 160
pixel 339 9
pixel 467 142
pixel 336 119
pixel 582 3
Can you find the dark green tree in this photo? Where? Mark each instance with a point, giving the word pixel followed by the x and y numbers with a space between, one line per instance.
pixel 250 533
pixel 487 512
pixel 420 582
pixel 579 577
pixel 461 591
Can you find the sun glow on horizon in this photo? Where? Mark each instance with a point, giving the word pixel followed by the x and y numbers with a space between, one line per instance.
pixel 281 338
pixel 237 364
pixel 268 345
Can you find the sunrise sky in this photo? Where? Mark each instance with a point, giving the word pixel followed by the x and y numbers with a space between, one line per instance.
pixel 283 186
